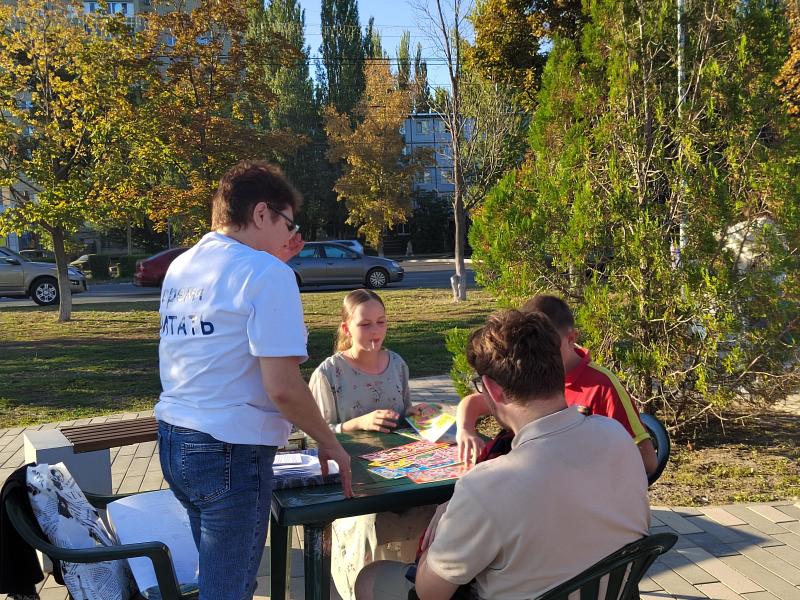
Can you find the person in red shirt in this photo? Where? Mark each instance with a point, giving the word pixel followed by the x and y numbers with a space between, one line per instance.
pixel 586 384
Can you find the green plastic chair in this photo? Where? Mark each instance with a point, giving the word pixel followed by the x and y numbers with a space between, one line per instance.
pixel 625 568
pixel 157 552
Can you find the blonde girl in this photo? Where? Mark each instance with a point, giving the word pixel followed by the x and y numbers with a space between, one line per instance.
pixel 364 387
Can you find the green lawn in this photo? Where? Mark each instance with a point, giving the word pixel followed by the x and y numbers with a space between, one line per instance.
pixel 106 359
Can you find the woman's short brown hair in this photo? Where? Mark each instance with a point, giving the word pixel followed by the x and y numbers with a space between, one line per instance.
pixel 246 184
pixel 521 352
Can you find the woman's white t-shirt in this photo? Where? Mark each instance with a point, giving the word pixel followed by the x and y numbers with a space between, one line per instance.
pixel 224 305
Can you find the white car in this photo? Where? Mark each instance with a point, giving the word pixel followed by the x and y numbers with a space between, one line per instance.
pixel 21 278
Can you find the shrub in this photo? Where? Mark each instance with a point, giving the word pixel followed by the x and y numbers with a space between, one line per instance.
pixel 98 265
pixel 461 373
pixel 127 264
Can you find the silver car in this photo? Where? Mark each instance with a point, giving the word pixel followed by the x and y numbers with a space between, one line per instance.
pixel 324 263
pixel 20 278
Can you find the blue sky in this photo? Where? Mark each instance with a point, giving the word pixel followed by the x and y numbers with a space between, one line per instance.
pixel 392 17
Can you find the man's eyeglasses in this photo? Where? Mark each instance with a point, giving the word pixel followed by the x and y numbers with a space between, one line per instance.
pixel 477 382
pixel 291 226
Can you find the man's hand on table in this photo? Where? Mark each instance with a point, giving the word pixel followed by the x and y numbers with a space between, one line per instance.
pixel 339 455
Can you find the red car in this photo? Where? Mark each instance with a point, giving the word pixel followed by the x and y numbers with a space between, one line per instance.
pixel 150 272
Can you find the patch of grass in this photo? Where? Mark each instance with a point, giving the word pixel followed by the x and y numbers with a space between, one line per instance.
pixel 106 359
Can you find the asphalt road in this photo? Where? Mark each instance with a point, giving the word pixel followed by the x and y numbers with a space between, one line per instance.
pixel 422 274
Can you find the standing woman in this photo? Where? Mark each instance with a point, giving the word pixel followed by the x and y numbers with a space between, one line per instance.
pixel 232 340
pixel 364 387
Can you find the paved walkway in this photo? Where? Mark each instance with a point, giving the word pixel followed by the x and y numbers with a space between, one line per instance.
pixel 738 552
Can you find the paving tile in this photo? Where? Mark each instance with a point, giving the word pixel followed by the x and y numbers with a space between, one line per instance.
pixel 787 553
pixel 722 516
pixel 675 521
pixel 657 596
pixel 760 596
pixel 718 591
pixel 684 567
pixel 754 519
pixel 721 570
pixel 754 536
pixel 761 576
pixel 725 534
pixel 793 526
pixel 772 514
pixel 145 449
pixel 130 485
pixel 648 585
pixel 790 509
pixel 673 583
pixel 707 542
pixel 790 539
pixel 770 561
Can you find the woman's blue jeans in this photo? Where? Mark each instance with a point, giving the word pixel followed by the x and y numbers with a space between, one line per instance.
pixel 226 489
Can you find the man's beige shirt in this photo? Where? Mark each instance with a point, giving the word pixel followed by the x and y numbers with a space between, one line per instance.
pixel 572 490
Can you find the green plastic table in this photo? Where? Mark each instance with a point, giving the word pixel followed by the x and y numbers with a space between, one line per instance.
pixel 315 508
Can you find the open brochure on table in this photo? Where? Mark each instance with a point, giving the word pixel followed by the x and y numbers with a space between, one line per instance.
pixel 433 424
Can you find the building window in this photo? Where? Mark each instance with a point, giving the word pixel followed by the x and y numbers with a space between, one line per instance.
pixel 424 176
pixel 446 175
pixel 424 127
pixel 440 126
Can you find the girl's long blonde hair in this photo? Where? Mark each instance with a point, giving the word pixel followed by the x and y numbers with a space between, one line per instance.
pixel 352 301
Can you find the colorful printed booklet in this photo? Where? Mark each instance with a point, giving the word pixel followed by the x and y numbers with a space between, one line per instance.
pixel 433 424
pixel 422 462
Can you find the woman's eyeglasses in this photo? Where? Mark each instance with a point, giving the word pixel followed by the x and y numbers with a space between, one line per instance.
pixel 291 226
pixel 477 382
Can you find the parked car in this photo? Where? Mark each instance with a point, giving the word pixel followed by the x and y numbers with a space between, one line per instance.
pixel 323 263
pixel 22 278
pixel 352 244
pixel 39 254
pixel 150 272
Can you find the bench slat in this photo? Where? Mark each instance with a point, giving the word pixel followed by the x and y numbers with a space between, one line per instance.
pixel 88 438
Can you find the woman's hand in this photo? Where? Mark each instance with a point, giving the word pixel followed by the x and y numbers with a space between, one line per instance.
pixel 383 420
pixel 292 247
pixel 430 532
pixel 470 445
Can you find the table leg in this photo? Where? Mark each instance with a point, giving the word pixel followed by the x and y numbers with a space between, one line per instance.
pixel 317 559
pixel 280 555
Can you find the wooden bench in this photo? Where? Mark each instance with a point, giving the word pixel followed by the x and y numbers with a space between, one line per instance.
pixel 101 436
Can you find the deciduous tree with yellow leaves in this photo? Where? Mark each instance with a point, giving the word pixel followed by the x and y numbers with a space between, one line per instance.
pixel 211 100
pixel 73 142
pixel 377 179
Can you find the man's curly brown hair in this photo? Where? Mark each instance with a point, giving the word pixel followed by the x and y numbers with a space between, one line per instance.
pixel 520 351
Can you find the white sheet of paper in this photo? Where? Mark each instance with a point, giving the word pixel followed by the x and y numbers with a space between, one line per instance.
pixel 156 517
pixel 287 459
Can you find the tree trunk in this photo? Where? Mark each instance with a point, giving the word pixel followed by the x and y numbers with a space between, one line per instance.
pixel 459 281
pixel 65 293
pixel 130 239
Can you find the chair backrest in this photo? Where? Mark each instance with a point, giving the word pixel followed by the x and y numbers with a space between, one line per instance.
pixel 658 434
pixel 624 569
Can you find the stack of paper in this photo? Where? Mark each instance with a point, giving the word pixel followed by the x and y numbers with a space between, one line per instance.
pixel 300 469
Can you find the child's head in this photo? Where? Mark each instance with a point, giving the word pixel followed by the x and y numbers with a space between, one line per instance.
pixel 363 322
pixel 561 317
